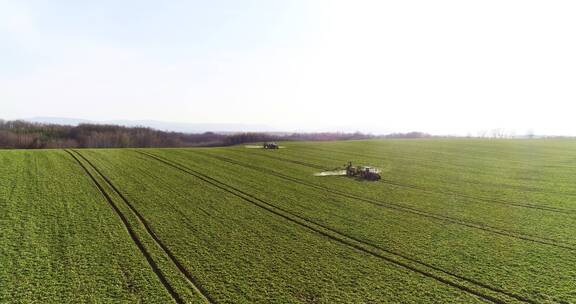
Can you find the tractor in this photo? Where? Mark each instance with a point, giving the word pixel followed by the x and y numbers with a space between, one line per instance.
pixel 270 145
pixel 363 172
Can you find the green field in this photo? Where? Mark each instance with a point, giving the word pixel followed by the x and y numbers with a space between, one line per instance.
pixel 451 221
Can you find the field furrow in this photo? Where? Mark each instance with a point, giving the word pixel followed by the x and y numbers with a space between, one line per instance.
pixel 133 235
pixel 60 241
pixel 350 240
pixel 443 245
pixel 447 192
pixel 191 279
pixel 396 206
pixel 460 208
pixel 106 163
pixel 451 221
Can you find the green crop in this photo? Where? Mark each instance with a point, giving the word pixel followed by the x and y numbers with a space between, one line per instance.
pixel 59 240
pixel 451 221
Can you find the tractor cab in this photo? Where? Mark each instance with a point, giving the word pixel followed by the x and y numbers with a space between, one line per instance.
pixel 369 173
pixel 369 169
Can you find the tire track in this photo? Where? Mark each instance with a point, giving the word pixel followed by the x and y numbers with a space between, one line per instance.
pixel 447 192
pixel 484 199
pixel 298 162
pixel 406 209
pixel 434 161
pixel 397 259
pixel 177 298
pixel 192 281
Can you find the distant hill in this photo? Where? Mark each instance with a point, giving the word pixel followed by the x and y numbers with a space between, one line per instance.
pixel 58 120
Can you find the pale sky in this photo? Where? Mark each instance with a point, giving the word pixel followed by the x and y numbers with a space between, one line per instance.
pixel 444 67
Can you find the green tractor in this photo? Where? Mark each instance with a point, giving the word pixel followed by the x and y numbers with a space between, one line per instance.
pixel 363 172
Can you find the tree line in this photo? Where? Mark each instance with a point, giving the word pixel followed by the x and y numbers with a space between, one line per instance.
pixel 27 135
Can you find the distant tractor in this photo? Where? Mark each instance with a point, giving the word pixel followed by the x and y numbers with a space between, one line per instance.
pixel 270 145
pixel 363 172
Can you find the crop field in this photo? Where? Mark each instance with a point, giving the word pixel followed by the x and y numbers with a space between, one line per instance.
pixel 451 221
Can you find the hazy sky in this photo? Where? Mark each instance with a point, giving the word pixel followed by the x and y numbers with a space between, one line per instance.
pixel 445 67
